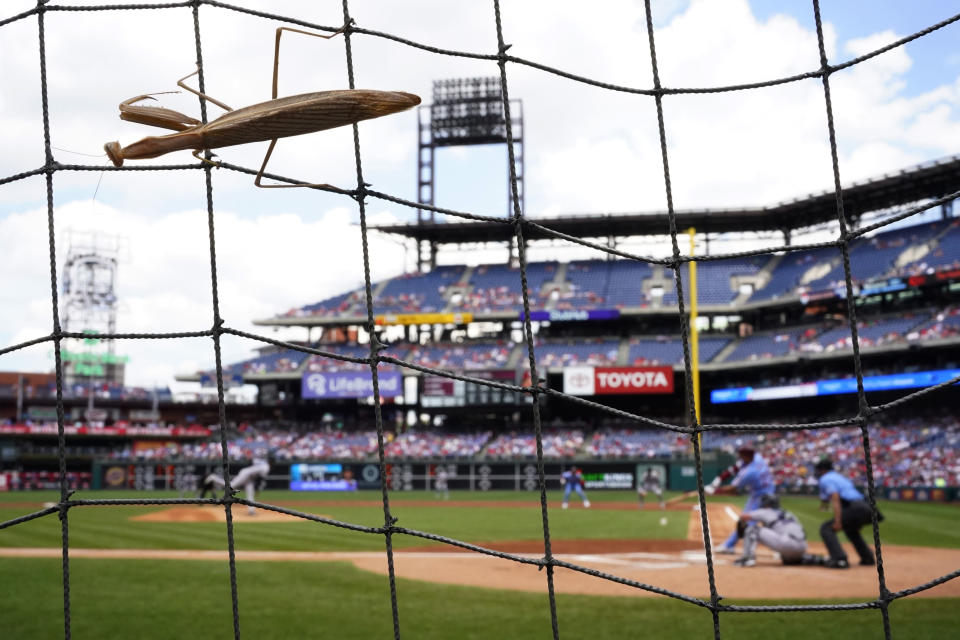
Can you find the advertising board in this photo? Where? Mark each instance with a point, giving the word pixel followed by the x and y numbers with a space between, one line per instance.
pixel 350 384
pixel 571 315
pixel 590 381
pixel 445 392
pixel 321 477
pixel 835 386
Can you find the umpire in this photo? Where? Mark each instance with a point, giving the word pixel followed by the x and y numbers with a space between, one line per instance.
pixel 850 513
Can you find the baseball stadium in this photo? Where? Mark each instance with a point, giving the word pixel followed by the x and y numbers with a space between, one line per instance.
pixel 731 414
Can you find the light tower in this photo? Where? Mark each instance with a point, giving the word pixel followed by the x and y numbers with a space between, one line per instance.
pixel 465 111
pixel 89 306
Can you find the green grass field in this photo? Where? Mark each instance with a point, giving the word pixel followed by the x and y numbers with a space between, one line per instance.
pixel 165 599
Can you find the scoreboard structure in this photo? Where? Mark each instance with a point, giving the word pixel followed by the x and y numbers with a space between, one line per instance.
pixel 445 392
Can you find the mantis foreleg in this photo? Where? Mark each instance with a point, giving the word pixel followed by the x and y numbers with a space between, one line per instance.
pixel 197 93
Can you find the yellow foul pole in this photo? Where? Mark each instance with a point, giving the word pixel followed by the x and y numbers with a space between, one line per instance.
pixel 694 336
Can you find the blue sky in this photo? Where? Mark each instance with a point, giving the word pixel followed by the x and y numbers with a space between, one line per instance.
pixel 935 56
pixel 935 61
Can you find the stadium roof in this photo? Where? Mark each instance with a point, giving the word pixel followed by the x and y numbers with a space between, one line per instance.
pixel 931 180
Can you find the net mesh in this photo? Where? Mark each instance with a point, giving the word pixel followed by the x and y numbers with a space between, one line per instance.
pixel 520 223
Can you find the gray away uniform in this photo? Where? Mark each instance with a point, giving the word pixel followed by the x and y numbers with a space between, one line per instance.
pixel 781 531
pixel 650 483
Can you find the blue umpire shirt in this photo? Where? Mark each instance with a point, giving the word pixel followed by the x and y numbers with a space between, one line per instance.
pixel 832 482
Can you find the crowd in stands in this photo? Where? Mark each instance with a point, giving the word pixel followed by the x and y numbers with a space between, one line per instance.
pixel 424 444
pixel 44 480
pixel 335 306
pixel 604 284
pixel 634 443
pixel 493 299
pixel 406 303
pixel 321 363
pixel 907 451
pixel 332 444
pixel 910 451
pixel 945 324
pixel 461 356
pixel 556 444
pixel 581 352
pixel 616 284
pixel 913 452
pixel 874 332
pixel 824 338
pixel 101 391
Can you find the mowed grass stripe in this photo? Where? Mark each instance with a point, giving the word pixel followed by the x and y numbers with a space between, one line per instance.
pixel 920 524
pixel 113 527
pixel 162 599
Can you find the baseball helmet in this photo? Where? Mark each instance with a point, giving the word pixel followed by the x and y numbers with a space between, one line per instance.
pixel 770 502
pixel 824 465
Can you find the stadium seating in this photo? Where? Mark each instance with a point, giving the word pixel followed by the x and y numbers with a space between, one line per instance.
pixel 276 362
pixel 569 353
pixel 871 332
pixel 773 344
pixel 619 284
pixel 786 276
pixel 423 444
pixel 714 280
pixel 945 255
pixel 633 443
pixel 557 444
pixel 945 324
pixel 669 350
pixel 496 287
pixel 605 284
pixel 623 284
pixel 328 444
pixel 340 305
pixel 823 339
pixel 320 363
pixel 641 351
pixel 462 356
pixel 876 256
pixel 417 293
pixel 908 451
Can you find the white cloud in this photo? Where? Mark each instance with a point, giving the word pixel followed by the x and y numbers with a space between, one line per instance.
pixel 265 265
pixel 587 149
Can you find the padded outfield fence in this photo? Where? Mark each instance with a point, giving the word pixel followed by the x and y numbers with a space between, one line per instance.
pixel 520 224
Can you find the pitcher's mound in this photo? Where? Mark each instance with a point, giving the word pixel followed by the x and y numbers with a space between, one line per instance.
pixel 212 513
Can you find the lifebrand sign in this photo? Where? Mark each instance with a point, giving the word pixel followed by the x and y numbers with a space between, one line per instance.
pixel 350 384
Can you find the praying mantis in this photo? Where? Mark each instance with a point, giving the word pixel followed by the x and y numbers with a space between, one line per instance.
pixel 277 118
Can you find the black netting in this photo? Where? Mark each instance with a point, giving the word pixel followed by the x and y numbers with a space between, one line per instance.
pixel 520 223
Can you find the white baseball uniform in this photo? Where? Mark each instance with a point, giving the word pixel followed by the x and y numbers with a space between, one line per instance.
pixel 246 478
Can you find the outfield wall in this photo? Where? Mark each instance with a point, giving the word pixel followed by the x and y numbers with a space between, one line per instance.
pixel 413 475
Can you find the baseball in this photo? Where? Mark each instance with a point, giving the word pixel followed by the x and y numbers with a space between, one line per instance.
pixel 663 521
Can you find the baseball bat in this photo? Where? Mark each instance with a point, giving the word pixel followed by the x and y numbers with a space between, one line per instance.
pixel 681 497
